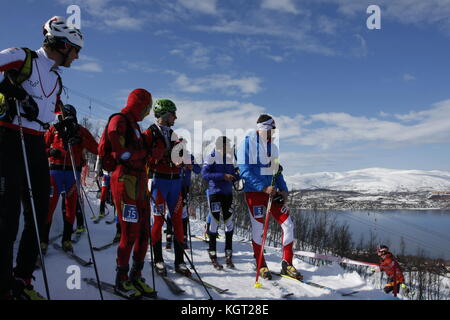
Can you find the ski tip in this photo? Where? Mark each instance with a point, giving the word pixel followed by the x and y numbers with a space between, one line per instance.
pixel 258 285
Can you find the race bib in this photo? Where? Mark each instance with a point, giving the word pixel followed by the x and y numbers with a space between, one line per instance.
pixel 130 213
pixel 258 211
pixel 216 207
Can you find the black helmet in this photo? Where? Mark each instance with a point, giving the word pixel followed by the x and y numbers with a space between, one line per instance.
pixel 69 110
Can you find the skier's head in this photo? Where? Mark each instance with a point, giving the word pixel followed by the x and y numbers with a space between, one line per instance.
pixel 165 111
pixel 139 104
pixel 265 124
pixel 382 250
pixel 69 110
pixel 66 42
pixel 223 145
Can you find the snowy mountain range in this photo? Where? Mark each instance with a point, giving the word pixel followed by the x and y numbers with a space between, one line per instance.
pixel 373 180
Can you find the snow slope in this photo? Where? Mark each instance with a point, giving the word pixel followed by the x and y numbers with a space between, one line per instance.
pixel 373 180
pixel 240 282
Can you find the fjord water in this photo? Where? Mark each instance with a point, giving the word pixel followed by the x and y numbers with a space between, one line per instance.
pixel 427 230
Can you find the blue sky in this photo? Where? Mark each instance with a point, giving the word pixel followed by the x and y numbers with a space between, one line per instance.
pixel 344 97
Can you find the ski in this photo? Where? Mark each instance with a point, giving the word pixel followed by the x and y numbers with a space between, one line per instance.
pixel 110 221
pixel 284 293
pixel 72 255
pixel 173 287
pixel 201 238
pixel 109 287
pixel 106 246
pixel 98 219
pixel 208 285
pixel 313 284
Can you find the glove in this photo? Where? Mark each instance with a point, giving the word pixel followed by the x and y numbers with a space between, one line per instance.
pixel 278 199
pixel 55 153
pixel 30 109
pixel 11 89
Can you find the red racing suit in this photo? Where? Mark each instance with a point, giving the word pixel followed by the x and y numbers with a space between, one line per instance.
pixel 61 172
pixel 129 179
pixel 393 271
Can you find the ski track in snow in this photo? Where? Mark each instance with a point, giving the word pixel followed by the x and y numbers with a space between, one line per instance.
pixel 239 282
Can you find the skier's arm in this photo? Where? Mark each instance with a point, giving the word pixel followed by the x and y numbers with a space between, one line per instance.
pixel 117 135
pixel 251 173
pixel 12 58
pixel 209 174
pixel 89 142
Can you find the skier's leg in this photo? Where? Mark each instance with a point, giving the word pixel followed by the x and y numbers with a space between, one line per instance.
pixel 281 215
pixel 257 202
pixel 228 216
pixel 40 183
pixel 12 179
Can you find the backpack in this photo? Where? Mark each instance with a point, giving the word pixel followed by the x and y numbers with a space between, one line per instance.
pixel 107 161
pixel 7 105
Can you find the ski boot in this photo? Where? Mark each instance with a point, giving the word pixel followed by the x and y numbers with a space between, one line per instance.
pixel 139 282
pixel 213 257
pixel 67 246
pixel 123 286
pixel 160 268
pixel 264 272
pixel 290 271
pixel 24 290
pixel 183 269
pixel 228 259
pixel 80 230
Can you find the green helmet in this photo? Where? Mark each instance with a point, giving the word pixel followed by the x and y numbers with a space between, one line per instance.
pixel 163 106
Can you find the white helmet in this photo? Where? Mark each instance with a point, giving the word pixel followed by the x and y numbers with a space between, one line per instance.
pixel 57 29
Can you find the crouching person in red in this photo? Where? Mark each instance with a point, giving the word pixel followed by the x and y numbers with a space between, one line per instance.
pixel 123 152
pixel 391 267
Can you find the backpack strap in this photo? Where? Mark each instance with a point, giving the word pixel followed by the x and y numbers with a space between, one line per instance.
pixel 27 68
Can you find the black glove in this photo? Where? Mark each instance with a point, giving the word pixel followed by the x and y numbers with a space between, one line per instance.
pixel 55 153
pixel 11 89
pixel 278 199
pixel 30 109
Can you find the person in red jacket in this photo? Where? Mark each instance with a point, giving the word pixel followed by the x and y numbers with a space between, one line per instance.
pixel 391 267
pixel 130 193
pixel 57 139
pixel 166 184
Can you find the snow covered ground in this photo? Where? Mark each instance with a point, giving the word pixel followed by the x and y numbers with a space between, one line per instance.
pixel 239 282
pixel 373 180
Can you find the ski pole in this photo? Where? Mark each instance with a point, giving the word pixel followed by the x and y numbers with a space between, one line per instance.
pixel 181 247
pixel 151 251
pixel 266 225
pixel 189 226
pixel 30 191
pixel 80 197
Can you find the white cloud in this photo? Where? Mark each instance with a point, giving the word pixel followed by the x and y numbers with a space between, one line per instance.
pixel 87 64
pixel 203 6
pixel 331 129
pixel 408 77
pixel 280 5
pixel 221 82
